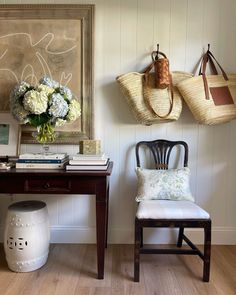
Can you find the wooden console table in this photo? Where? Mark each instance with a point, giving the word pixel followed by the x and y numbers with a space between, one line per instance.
pixel 22 181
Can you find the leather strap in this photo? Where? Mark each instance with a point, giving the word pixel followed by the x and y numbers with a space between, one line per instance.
pixel 222 71
pixel 212 66
pixel 146 71
pixel 157 53
pixel 209 57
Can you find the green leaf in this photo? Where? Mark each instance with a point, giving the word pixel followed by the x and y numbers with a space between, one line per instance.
pixel 37 120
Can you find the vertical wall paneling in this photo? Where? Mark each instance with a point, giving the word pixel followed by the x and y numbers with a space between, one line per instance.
pixel 111 98
pixel 128 38
pixel 145 44
pixel 161 37
pixel 193 52
pixel 210 31
pixel 228 38
pixel 230 184
pixel 125 34
pixel 178 31
pixel 177 42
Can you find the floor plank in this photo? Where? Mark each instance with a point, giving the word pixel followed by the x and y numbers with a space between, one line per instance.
pixel 71 269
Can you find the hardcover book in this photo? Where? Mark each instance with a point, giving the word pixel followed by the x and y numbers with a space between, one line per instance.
pixel 88 162
pixel 40 165
pixel 89 157
pixel 49 156
pixel 43 161
pixel 86 167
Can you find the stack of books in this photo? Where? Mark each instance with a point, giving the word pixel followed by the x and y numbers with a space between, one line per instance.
pixel 88 162
pixel 42 161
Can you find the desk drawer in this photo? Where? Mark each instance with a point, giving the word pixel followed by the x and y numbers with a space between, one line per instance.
pixel 58 186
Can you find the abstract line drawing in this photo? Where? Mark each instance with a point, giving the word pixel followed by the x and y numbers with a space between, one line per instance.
pixel 29 57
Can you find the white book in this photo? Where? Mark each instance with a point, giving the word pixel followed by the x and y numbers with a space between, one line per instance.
pixel 86 167
pixel 40 165
pixel 89 157
pixel 49 156
pixel 89 162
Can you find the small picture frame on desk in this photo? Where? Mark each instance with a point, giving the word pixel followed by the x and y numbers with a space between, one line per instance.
pixel 9 135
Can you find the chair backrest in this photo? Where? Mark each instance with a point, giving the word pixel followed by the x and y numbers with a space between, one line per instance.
pixel 161 150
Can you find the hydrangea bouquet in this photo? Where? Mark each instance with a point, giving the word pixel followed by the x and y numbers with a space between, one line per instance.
pixel 45 106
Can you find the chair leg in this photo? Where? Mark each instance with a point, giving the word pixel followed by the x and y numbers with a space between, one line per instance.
pixel 141 237
pixel 207 252
pixel 180 237
pixel 136 251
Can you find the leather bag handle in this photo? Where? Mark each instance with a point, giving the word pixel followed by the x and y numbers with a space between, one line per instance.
pixel 146 71
pixel 157 53
pixel 209 57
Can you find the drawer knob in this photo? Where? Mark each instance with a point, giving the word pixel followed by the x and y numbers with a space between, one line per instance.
pixel 46 185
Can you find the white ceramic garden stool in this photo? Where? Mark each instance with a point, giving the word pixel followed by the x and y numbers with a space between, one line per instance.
pixel 26 236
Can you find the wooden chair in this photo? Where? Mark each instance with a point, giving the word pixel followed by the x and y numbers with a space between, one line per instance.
pixel 149 213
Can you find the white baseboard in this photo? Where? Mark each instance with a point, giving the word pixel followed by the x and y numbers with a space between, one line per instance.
pixel 76 234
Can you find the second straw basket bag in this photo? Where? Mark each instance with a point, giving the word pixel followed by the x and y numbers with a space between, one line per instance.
pixel 149 104
pixel 211 98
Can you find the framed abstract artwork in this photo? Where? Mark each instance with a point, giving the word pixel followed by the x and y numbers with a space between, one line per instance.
pixel 9 135
pixel 54 41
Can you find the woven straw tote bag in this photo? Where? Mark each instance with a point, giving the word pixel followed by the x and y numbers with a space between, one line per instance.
pixel 153 97
pixel 211 98
pixel 149 104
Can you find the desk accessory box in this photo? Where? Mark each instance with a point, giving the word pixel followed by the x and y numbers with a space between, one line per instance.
pixel 90 147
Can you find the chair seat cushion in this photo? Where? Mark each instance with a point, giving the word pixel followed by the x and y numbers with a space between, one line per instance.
pixel 167 209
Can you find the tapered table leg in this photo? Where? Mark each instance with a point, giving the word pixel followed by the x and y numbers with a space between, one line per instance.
pixel 101 220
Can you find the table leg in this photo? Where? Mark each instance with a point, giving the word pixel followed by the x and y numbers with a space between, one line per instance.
pixel 107 216
pixel 101 211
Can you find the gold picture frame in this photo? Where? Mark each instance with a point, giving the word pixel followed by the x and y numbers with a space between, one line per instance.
pixel 55 41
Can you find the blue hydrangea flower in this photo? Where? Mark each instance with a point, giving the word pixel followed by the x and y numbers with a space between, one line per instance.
pixel 58 106
pixel 19 90
pixel 49 82
pixel 19 113
pixel 66 92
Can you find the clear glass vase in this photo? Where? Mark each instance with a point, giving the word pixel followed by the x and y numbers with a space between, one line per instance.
pixel 45 135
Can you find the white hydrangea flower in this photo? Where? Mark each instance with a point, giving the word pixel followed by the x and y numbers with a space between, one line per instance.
pixel 59 106
pixel 35 102
pixel 46 89
pixel 60 122
pixel 74 110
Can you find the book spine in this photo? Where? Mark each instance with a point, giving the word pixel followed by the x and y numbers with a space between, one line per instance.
pixel 39 166
pixel 87 168
pixel 42 157
pixel 43 161
pixel 86 162
pixel 89 157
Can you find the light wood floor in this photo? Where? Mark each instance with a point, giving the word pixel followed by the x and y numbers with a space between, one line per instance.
pixel 71 269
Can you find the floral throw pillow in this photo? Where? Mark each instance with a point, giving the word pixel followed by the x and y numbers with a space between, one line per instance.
pixel 171 184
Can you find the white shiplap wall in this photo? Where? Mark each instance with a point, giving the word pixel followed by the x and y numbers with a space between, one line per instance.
pixel 126 32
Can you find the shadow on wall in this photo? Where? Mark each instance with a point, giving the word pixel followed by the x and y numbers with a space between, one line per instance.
pixel 117 105
pixel 120 112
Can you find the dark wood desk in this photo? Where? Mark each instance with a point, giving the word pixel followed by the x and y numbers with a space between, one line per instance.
pixel 66 182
